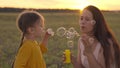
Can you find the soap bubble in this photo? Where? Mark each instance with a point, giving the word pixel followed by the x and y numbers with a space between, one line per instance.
pixel 69 35
pixel 91 40
pixel 50 31
pixel 76 33
pixel 61 31
pixel 71 29
pixel 70 44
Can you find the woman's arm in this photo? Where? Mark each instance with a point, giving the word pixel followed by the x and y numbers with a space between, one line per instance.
pixel 88 52
pixel 77 61
pixel 93 63
pixel 100 63
pixel 101 58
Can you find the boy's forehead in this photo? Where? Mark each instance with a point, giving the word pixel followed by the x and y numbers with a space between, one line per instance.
pixel 40 22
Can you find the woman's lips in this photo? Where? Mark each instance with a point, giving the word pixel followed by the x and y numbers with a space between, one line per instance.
pixel 82 27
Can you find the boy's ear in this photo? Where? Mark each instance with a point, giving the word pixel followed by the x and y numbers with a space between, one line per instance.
pixel 30 30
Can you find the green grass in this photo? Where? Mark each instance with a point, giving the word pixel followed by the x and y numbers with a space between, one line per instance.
pixel 10 36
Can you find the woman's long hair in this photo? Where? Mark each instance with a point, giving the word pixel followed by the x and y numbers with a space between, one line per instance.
pixel 103 33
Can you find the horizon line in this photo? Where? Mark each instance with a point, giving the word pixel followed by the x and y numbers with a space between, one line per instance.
pixel 58 8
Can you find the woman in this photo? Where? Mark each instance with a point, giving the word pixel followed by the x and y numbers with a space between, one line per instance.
pixel 97 46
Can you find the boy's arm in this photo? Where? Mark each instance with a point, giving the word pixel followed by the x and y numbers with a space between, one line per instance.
pixel 43 48
pixel 44 43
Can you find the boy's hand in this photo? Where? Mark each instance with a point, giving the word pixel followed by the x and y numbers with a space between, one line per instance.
pixel 50 31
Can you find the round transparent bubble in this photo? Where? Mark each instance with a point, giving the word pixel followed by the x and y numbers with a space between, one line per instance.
pixel 76 33
pixel 61 31
pixel 71 29
pixel 70 44
pixel 69 35
pixel 91 40
pixel 50 31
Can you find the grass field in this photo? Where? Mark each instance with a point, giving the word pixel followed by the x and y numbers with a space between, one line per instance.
pixel 10 36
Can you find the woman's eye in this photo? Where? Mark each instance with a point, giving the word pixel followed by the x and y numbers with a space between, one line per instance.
pixel 87 19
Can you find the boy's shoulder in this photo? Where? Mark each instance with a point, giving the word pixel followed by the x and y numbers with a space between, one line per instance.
pixel 28 43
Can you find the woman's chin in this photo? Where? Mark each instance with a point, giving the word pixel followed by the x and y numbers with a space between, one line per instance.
pixel 82 31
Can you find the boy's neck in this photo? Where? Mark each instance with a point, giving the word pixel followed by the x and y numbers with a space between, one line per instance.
pixel 30 37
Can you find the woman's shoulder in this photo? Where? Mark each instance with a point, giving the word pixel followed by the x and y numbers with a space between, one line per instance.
pixel 111 44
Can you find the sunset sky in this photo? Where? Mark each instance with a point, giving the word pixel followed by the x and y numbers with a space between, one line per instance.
pixel 61 4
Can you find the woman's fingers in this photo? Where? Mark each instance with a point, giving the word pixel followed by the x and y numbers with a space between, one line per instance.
pixel 85 40
pixel 63 57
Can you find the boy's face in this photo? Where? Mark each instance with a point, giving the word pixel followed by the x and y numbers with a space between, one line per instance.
pixel 38 28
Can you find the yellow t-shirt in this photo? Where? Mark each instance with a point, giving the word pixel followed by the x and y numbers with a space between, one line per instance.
pixel 30 55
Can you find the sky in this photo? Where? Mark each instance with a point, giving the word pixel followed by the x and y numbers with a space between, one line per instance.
pixel 61 4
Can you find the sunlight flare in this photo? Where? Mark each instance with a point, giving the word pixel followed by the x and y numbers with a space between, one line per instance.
pixel 82 4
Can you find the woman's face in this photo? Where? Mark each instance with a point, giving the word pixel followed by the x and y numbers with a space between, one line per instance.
pixel 86 22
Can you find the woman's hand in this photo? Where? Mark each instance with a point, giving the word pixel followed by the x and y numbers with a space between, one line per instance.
pixel 72 58
pixel 87 42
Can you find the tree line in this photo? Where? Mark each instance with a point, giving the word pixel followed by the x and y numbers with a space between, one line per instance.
pixel 6 9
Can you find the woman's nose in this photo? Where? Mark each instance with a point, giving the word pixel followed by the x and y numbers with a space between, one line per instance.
pixel 82 22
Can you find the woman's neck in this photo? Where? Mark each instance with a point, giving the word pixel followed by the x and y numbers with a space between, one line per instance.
pixel 90 34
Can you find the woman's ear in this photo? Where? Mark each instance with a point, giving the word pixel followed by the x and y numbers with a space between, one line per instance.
pixel 93 22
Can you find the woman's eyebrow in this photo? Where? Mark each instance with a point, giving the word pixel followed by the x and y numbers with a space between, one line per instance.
pixel 86 17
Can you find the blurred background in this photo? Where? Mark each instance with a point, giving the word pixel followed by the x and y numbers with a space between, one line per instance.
pixel 57 13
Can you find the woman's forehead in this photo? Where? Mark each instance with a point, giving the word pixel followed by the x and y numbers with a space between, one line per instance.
pixel 86 13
